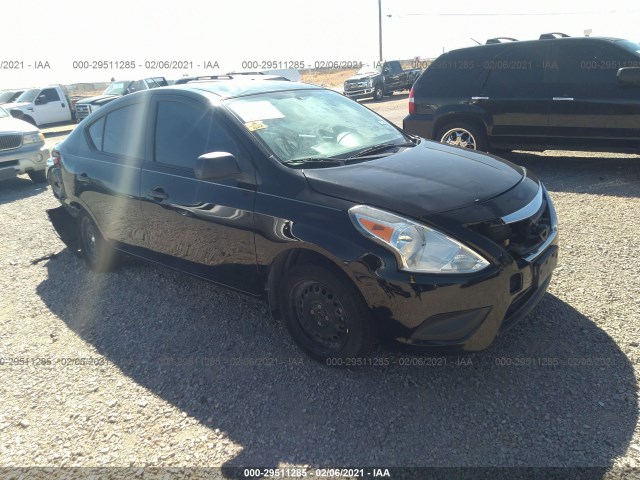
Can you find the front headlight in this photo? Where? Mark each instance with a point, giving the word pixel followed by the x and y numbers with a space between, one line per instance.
pixel 370 82
pixel 419 248
pixel 93 108
pixel 34 137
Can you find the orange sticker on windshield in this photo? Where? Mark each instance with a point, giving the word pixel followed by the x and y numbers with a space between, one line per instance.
pixel 255 125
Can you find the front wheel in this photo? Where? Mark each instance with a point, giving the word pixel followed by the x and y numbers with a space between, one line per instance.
pixel 37 176
pixel 325 314
pixel 464 135
pixel 378 93
pixel 98 254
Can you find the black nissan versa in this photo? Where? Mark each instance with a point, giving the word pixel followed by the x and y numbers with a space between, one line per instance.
pixel 352 230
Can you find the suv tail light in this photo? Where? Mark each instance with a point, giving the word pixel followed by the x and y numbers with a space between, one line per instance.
pixel 57 158
pixel 412 105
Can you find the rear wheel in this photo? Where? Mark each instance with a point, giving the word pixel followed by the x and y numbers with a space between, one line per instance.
pixel 98 254
pixel 325 314
pixel 38 176
pixel 464 135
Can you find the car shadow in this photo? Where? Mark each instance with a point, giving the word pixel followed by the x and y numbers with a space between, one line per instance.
pixel 19 187
pixel 577 172
pixel 391 98
pixel 553 390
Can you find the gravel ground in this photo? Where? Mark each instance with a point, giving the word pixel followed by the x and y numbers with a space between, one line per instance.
pixel 148 367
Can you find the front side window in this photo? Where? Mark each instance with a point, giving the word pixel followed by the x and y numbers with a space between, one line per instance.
pixel 51 95
pixel 124 131
pixel 318 124
pixel 184 131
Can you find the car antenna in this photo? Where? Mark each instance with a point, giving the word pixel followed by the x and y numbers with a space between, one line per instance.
pixel 475 40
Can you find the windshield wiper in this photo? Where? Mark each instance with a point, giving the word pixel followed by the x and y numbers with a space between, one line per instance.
pixel 314 162
pixel 380 148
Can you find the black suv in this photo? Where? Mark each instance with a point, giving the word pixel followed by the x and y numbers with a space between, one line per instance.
pixel 557 92
pixel 351 229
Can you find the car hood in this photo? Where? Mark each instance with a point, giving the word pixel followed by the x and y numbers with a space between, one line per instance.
pixel 362 77
pixel 427 179
pixel 10 124
pixel 98 100
pixel 9 106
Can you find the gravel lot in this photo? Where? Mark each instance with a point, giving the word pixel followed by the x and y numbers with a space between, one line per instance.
pixel 147 367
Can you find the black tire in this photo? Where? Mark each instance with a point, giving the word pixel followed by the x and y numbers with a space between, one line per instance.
pixel 378 93
pixel 464 135
pixel 98 254
pixel 38 176
pixel 325 315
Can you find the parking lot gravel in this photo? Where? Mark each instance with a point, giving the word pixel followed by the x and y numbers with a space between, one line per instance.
pixel 148 367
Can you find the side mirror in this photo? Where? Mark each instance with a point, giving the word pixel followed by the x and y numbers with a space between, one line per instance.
pixel 16 113
pixel 629 76
pixel 41 100
pixel 216 165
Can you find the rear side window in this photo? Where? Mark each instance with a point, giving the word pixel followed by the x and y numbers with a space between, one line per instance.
pixel 96 133
pixel 124 131
pixel 184 131
pixel 514 70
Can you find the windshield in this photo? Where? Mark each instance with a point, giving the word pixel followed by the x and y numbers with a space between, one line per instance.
pixel 28 95
pixel 366 69
pixel 318 124
pixel 3 113
pixel 6 96
pixel 631 46
pixel 116 88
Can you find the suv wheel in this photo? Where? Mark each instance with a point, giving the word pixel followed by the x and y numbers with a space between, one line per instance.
pixel 325 314
pixel 98 254
pixel 461 134
pixel 378 93
pixel 37 176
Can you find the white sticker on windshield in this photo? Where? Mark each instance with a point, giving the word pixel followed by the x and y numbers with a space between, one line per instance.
pixel 251 111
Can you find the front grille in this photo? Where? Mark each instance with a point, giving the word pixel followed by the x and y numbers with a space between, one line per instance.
pixel 520 237
pixel 10 141
pixel 356 85
pixel 82 111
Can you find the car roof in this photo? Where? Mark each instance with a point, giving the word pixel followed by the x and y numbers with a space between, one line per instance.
pixel 239 87
pixel 537 42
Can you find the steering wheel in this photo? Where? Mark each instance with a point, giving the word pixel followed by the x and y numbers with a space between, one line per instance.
pixel 288 142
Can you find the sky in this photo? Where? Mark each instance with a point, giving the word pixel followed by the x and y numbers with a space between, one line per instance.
pixel 64 37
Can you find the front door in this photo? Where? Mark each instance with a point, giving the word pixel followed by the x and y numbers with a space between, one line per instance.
pixel 203 227
pixel 590 109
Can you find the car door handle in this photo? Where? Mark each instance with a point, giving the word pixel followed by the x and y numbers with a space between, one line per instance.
pixel 479 98
pixel 158 194
pixel 563 99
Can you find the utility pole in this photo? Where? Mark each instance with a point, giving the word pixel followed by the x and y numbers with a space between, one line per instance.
pixel 380 27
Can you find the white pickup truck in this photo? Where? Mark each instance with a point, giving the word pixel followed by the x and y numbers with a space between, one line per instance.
pixel 40 106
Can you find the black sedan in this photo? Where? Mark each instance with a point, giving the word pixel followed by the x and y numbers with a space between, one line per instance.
pixel 353 231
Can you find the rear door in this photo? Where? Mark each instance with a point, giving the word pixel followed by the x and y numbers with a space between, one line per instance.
pixel 513 94
pixel 590 109
pixel 203 227
pixel 106 179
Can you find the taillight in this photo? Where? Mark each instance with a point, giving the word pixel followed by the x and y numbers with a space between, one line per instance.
pixel 412 105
